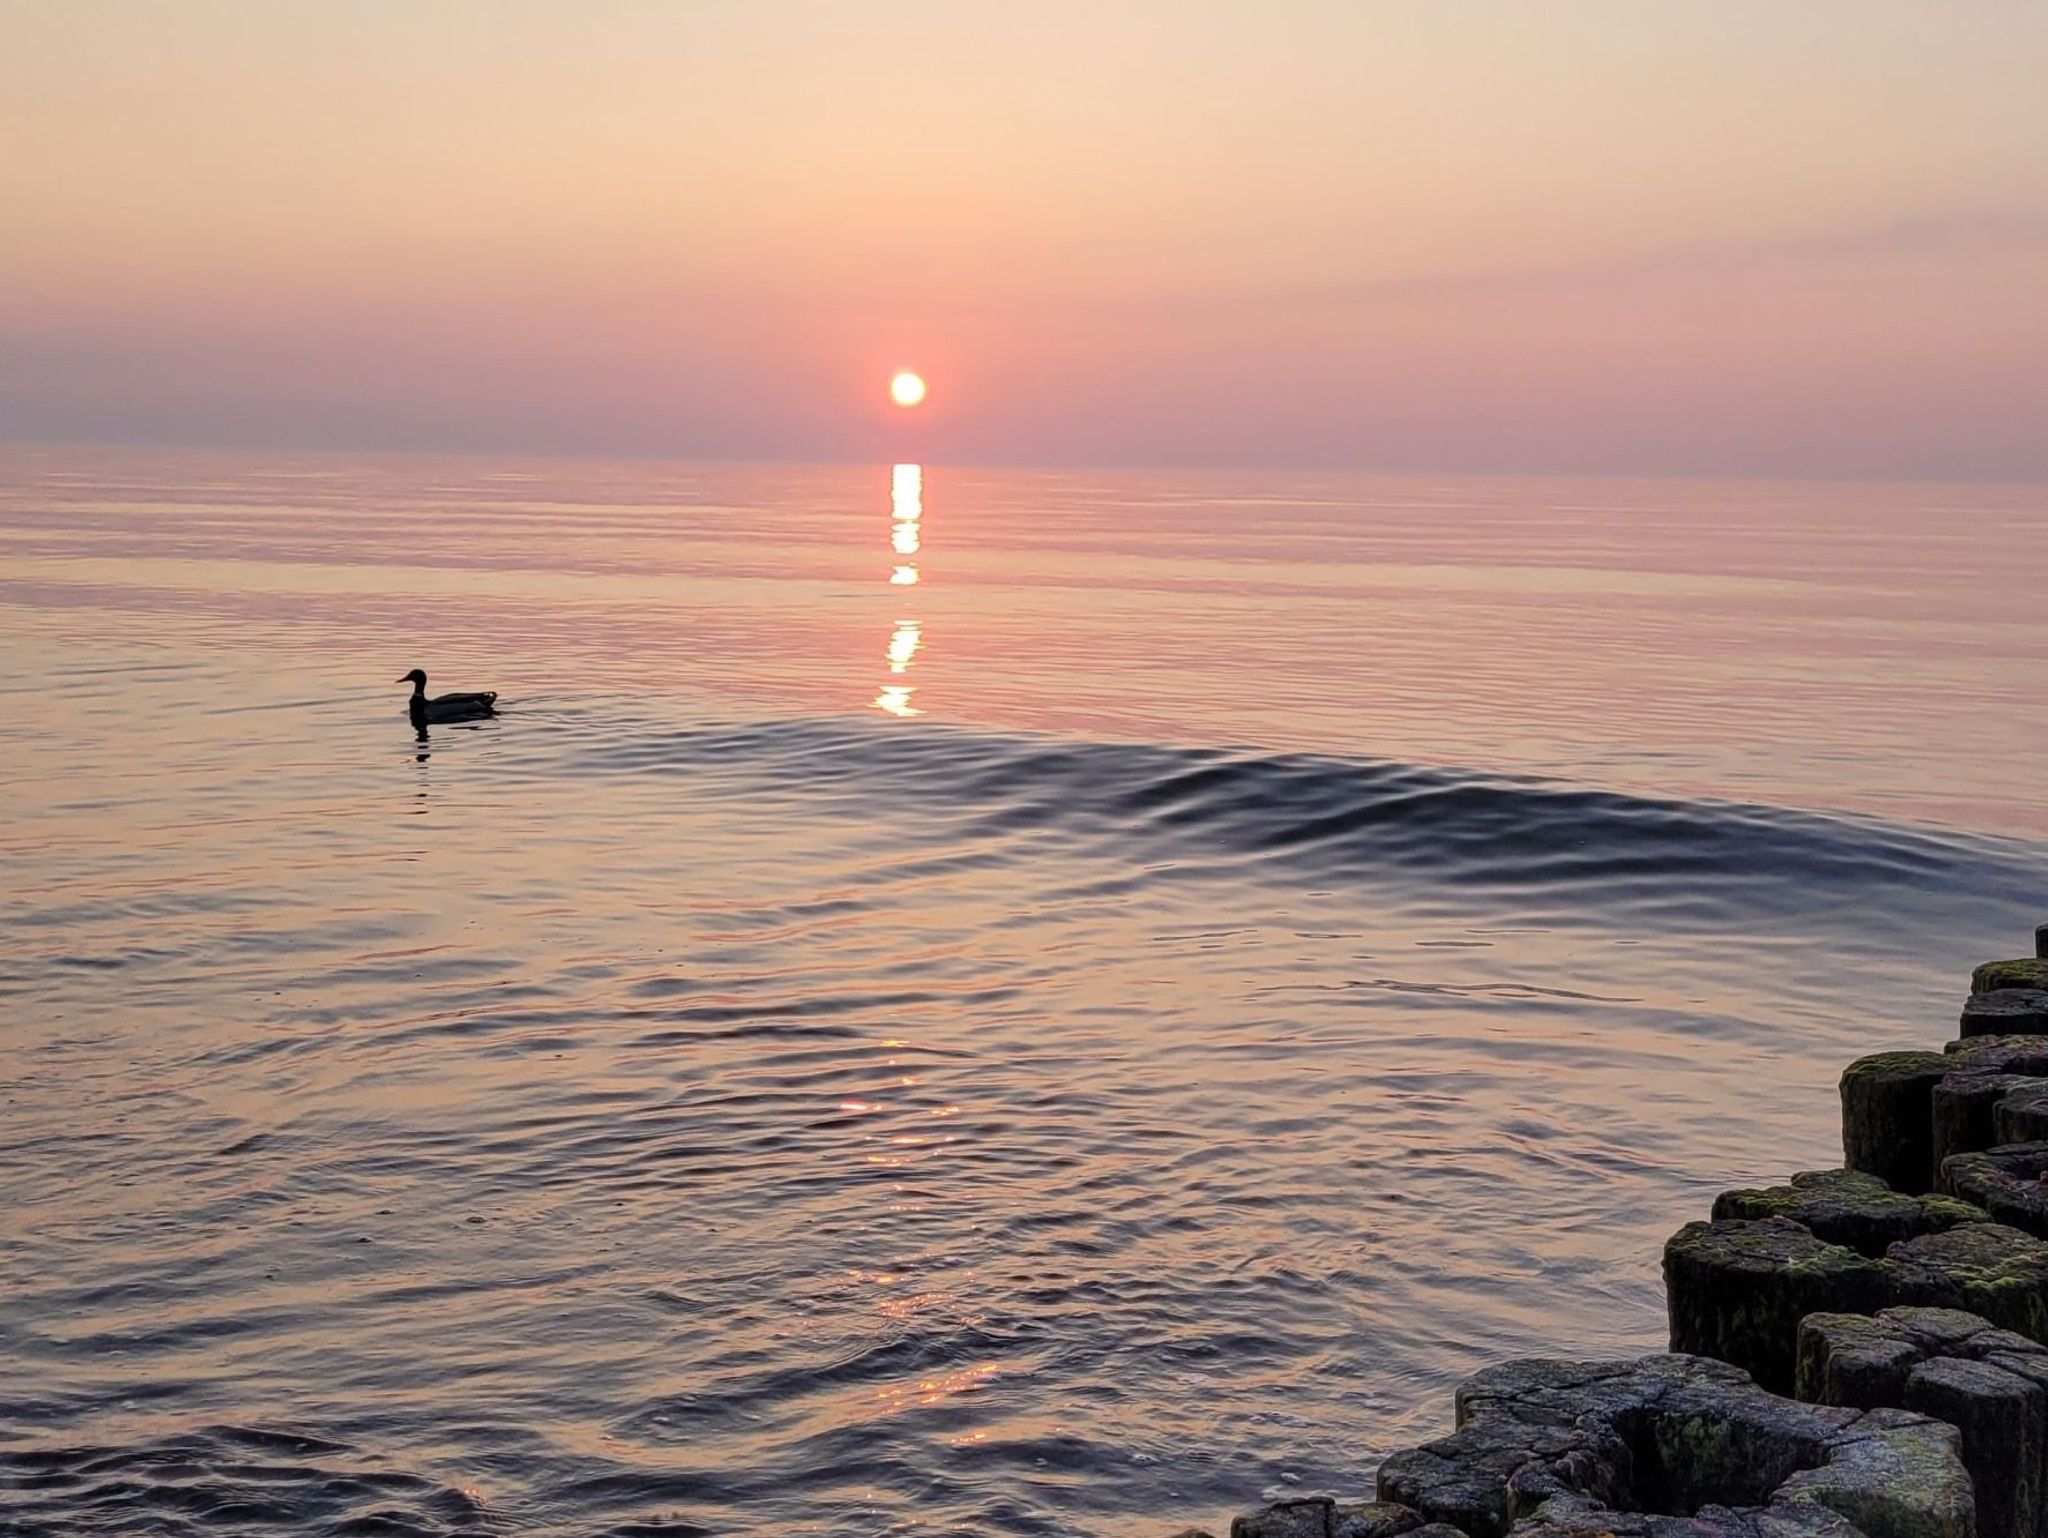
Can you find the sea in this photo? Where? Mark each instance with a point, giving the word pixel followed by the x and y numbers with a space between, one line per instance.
pixel 946 1001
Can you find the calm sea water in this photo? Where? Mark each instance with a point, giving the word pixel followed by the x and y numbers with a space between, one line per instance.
pixel 949 1002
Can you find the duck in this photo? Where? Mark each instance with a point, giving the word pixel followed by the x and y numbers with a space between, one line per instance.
pixel 447 707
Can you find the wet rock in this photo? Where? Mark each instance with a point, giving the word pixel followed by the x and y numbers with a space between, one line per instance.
pixel 1887 1117
pixel 1981 1268
pixel 2022 1116
pixel 1991 1384
pixel 1737 1290
pixel 2029 972
pixel 1677 1447
pixel 1848 1207
pixel 2009 1182
pixel 2006 1012
pixel 1965 1111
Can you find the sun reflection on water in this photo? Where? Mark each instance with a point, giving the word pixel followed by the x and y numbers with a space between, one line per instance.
pixel 922 1393
pixel 906 490
pixel 906 514
pixel 895 698
pixel 903 645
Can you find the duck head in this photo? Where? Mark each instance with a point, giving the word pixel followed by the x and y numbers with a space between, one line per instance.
pixel 416 678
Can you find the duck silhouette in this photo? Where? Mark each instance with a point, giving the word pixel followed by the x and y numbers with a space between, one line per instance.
pixel 447 707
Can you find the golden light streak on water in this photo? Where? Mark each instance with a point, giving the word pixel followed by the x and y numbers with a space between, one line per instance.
pixel 906 512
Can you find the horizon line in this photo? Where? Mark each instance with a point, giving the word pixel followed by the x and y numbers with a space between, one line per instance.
pixel 10 444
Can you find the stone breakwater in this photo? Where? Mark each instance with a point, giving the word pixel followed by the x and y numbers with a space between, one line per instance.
pixel 1858 1353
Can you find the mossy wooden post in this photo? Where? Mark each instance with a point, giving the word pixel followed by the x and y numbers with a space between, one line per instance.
pixel 1676 1447
pixel 2008 1182
pixel 1990 1384
pixel 1988 1269
pixel 1888 1119
pixel 2005 1012
pixel 1857 1361
pixel 1737 1291
pixel 2022 1116
pixel 1965 1112
pixel 2004 1424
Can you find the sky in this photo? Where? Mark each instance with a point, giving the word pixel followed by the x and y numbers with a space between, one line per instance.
pixel 1745 237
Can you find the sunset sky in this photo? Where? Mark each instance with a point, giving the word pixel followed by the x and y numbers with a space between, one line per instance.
pixel 1738 237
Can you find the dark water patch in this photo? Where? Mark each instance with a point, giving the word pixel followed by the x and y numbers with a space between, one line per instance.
pixel 224 1480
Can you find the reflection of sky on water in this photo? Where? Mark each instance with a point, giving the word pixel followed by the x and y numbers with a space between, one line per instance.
pixel 764 923
pixel 1810 645
pixel 906 512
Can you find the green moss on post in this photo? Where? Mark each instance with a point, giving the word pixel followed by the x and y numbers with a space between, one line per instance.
pixel 2027 972
pixel 1983 1268
pixel 1850 1208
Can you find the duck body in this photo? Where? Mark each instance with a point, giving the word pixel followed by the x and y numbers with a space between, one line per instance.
pixel 445 709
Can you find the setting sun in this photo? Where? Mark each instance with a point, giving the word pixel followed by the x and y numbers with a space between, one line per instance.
pixel 906 389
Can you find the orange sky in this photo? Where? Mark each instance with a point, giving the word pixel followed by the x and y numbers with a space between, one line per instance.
pixel 1742 237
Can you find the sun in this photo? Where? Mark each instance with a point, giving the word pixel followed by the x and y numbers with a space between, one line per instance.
pixel 906 389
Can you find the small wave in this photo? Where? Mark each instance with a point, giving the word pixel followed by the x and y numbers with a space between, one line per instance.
pixel 1324 819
